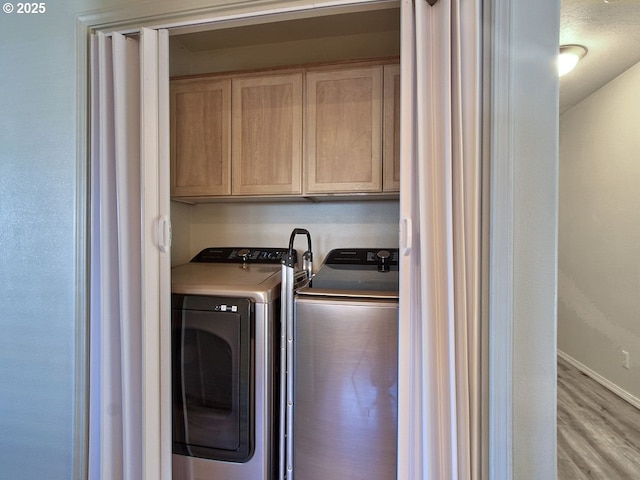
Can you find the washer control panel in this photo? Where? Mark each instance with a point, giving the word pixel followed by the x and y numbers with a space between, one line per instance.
pixel 362 256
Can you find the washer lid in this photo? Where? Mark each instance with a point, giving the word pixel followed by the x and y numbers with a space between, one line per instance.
pixel 363 272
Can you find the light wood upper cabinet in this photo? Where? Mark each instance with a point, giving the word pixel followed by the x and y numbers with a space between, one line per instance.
pixel 201 137
pixel 267 134
pixel 343 130
pixel 391 140
pixel 306 131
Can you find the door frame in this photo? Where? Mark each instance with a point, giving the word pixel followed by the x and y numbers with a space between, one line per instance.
pixel 499 205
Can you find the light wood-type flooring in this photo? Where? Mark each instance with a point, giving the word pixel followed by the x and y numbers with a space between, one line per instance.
pixel 598 432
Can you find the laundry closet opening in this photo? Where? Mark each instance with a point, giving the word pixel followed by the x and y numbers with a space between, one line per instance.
pixel 299 173
pixel 275 125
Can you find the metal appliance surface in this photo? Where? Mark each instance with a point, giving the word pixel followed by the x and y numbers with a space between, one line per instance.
pixel 357 272
pixel 225 349
pixel 346 369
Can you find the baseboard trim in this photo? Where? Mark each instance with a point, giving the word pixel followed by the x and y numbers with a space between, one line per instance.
pixel 612 387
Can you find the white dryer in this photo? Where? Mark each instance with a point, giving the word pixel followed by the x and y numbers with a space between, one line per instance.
pixel 225 364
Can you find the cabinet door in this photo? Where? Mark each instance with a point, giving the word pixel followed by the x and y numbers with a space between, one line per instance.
pixel 344 130
pixel 201 137
pixel 391 140
pixel 267 135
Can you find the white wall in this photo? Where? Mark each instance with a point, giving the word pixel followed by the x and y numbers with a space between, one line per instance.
pixel 332 224
pixel 38 175
pixel 181 250
pixel 599 235
pixel 533 126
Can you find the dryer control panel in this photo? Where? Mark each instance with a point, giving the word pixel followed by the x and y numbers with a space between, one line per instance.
pixel 240 255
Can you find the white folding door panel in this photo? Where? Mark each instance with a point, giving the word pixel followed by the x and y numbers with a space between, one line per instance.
pixel 440 240
pixel 130 234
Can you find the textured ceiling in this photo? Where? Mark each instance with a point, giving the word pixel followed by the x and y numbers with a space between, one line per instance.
pixel 611 33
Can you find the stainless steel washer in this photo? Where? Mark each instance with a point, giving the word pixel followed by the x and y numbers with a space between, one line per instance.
pixel 225 361
pixel 346 368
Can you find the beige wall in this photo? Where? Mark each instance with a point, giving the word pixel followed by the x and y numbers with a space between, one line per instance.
pixel 599 234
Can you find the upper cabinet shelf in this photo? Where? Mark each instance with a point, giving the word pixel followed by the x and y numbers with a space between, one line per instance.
pixel 305 132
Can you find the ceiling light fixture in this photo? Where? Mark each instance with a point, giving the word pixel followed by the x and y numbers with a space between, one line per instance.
pixel 569 57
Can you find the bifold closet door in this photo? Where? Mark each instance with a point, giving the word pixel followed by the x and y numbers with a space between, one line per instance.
pixel 129 262
pixel 440 240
